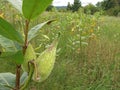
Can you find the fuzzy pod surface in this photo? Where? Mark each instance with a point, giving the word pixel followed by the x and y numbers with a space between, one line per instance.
pixel 45 63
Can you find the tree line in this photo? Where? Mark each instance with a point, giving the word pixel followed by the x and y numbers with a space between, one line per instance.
pixel 108 7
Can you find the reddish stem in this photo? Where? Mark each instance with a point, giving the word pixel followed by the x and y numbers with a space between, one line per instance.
pixel 18 67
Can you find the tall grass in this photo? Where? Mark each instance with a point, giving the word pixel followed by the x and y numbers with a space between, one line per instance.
pixel 95 67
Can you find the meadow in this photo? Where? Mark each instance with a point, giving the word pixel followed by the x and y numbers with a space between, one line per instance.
pixel 88 54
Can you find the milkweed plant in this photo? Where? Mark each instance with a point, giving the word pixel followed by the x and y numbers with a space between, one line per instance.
pixel 17 47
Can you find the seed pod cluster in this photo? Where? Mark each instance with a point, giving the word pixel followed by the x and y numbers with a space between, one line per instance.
pixel 45 63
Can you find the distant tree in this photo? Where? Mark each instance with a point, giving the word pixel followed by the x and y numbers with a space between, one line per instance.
pixel 113 11
pixel 69 6
pixel 76 5
pixel 99 5
pixel 49 8
pixel 118 2
pixel 90 8
pixel 108 4
pixel 111 7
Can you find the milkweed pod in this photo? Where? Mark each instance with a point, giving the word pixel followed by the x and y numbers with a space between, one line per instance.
pixel 45 63
pixel 29 55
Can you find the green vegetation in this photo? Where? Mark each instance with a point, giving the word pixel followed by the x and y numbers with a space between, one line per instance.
pixel 88 54
pixel 16 46
pixel 93 67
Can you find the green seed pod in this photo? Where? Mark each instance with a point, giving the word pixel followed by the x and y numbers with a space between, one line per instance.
pixel 29 55
pixel 45 63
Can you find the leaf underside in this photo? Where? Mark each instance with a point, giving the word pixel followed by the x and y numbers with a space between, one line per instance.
pixel 33 32
pixel 7 80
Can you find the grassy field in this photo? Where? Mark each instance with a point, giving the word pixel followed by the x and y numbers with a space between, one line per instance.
pixel 88 56
pixel 94 67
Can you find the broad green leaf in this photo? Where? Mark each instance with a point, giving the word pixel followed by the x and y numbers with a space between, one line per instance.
pixel 6 54
pixel 7 79
pixel 32 8
pixel 7 30
pixel 17 4
pixel 33 32
pixel 17 57
pixel 7 45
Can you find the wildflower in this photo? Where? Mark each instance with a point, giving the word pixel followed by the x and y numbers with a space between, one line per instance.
pixel 93 36
pixel 2 15
pixel 91 31
pixel 73 29
pixel 93 24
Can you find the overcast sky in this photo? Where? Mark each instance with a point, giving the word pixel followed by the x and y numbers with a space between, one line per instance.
pixel 65 2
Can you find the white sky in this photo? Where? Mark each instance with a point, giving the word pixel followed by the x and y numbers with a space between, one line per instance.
pixel 65 2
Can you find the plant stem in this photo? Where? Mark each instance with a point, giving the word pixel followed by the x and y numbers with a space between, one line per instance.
pixel 26 35
pixel 18 67
pixel 31 71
